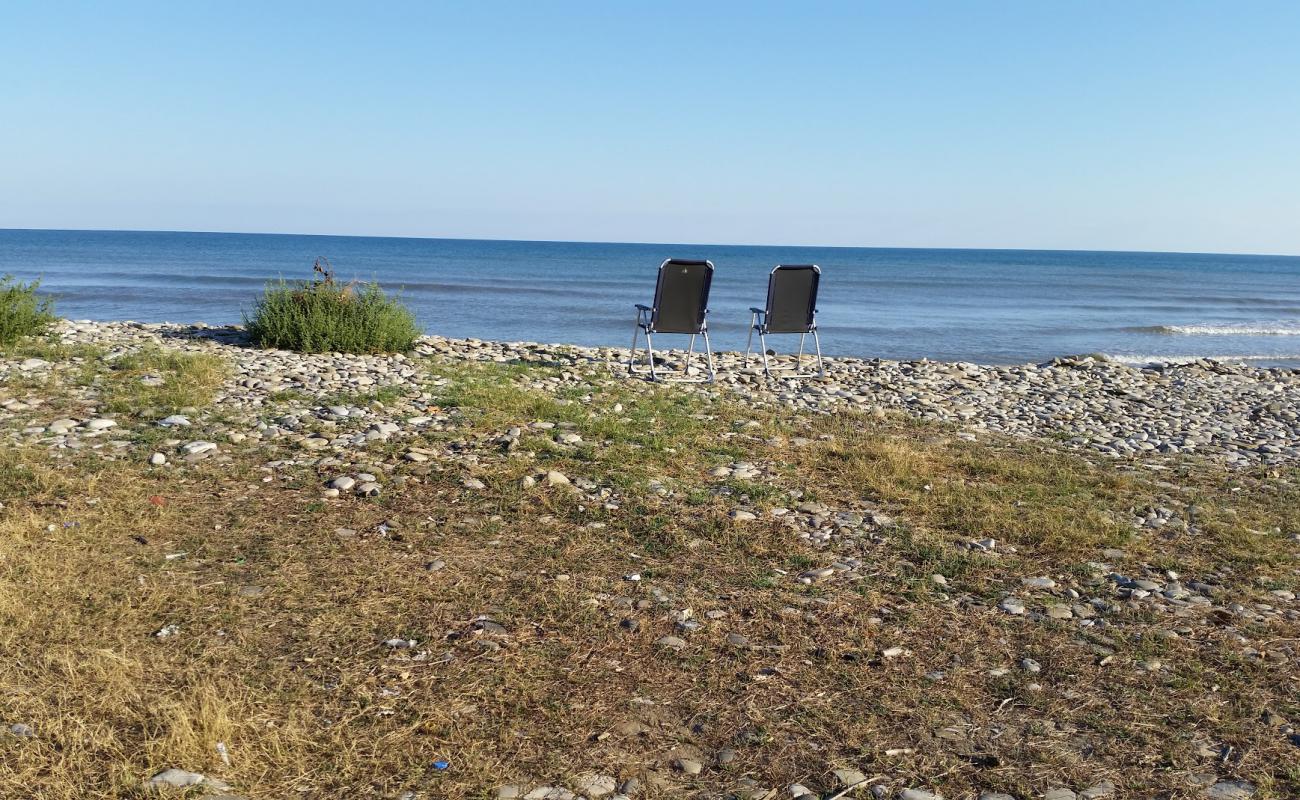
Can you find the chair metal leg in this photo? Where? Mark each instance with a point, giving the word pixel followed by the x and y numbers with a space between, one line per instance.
pixel 762 344
pixel 708 352
pixel 799 363
pixel 650 349
pixel 817 340
pixel 631 359
pixel 749 340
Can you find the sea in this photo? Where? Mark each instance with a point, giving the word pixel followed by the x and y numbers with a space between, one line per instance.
pixel 982 306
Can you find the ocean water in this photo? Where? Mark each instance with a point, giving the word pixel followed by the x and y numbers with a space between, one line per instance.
pixel 986 306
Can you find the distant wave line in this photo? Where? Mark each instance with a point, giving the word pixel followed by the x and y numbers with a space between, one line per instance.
pixel 1185 359
pixel 1279 329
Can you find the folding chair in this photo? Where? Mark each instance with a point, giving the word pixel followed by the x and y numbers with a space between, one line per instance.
pixel 791 308
pixel 680 306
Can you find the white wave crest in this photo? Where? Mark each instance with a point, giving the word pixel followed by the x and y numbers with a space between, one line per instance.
pixel 1139 360
pixel 1278 329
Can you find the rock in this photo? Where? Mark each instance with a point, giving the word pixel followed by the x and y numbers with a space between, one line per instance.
pixel 510 791
pixel 849 777
pixel 368 489
pixel 918 794
pixel 343 483
pixel 1012 605
pixel 689 766
pixel 1060 794
pixel 100 424
pixel 671 642
pixel 554 478
pixel 595 786
pixel 181 778
pixel 175 421
pixel 21 730
pixel 1230 790
pixel 157 459
pixel 740 515
pixel 1059 611
pixel 1039 583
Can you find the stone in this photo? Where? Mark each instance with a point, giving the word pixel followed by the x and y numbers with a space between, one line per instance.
pixel 157 459
pixel 100 424
pixel 595 786
pixel 671 642
pixel 343 483
pixel 688 766
pixel 1012 605
pixel 918 794
pixel 1230 790
pixel 849 777
pixel 181 778
pixel 554 478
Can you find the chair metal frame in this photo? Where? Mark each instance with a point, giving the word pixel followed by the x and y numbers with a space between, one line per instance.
pixel 758 321
pixel 647 318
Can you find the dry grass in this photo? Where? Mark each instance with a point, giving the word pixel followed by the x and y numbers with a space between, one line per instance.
pixel 297 684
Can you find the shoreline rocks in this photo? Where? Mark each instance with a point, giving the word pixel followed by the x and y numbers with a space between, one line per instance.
pixel 1237 415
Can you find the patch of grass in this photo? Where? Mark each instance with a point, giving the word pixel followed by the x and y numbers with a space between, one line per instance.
pixel 23 312
pixel 323 316
pixel 155 381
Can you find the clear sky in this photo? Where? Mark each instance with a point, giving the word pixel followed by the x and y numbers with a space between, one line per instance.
pixel 1097 125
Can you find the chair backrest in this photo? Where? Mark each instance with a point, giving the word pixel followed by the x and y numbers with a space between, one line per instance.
pixel 682 296
pixel 792 298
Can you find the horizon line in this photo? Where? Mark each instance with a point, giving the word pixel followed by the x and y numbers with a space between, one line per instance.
pixel 659 244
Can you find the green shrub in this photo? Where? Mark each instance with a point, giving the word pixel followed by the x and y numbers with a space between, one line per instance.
pixel 322 316
pixel 22 311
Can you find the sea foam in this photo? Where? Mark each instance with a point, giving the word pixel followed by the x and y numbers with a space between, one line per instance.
pixel 1266 329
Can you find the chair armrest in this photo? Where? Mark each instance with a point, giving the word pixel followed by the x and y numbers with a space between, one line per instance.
pixel 757 310
pixel 643 308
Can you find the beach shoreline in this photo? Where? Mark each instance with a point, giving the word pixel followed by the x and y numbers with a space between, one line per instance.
pixel 1233 413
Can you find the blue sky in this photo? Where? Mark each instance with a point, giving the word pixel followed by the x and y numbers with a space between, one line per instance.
pixel 1098 125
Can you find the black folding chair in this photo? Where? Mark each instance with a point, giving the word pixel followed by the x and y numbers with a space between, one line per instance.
pixel 791 308
pixel 680 306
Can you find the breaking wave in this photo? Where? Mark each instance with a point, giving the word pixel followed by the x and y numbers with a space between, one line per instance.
pixel 1266 329
pixel 1186 359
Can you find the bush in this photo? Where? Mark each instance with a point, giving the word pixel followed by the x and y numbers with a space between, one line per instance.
pixel 322 316
pixel 22 311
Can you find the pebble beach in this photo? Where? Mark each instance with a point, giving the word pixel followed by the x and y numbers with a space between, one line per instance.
pixel 1231 413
